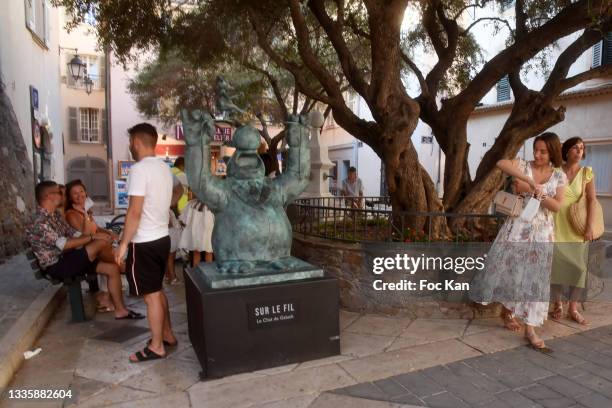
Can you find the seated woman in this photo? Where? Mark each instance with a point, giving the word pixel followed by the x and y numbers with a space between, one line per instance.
pixel 79 216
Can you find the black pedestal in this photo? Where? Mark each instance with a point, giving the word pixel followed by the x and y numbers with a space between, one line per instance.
pixel 252 328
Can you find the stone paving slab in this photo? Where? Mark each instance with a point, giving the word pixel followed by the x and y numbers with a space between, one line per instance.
pixel 577 374
pixel 18 289
pixel 406 361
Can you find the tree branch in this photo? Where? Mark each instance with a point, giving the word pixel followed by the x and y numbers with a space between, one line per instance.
pixel 293 68
pixel 556 82
pixel 601 71
pixel 352 24
pixel 467 6
pixel 417 72
pixel 334 32
pixel 384 23
pixel 296 96
pixel 518 87
pixel 307 54
pixel 274 84
pixel 521 20
pixel 475 22
pixel 446 54
pixel 264 129
pixel 572 18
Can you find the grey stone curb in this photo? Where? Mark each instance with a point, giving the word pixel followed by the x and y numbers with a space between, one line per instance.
pixel 26 330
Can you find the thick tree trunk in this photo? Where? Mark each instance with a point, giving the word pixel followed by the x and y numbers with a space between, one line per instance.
pixel 529 117
pixel 456 169
pixel 410 187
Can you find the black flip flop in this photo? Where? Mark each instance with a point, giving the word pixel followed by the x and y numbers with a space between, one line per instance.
pixel 166 343
pixel 146 355
pixel 545 349
pixel 131 315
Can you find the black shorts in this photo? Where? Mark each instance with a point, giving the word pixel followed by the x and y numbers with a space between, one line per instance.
pixel 146 264
pixel 74 262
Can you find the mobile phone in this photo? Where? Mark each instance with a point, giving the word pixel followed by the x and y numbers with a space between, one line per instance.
pixel 88 204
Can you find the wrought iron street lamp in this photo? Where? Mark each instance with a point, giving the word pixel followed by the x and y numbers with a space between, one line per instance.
pixel 76 67
pixel 88 84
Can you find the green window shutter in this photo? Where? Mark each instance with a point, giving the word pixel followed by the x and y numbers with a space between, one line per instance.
pixel 597 55
pixel 606 57
pixel 73 125
pixel 102 72
pixel 503 89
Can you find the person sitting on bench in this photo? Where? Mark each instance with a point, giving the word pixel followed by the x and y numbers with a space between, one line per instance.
pixel 63 252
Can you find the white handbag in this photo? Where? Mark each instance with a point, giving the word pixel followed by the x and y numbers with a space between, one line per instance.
pixel 508 204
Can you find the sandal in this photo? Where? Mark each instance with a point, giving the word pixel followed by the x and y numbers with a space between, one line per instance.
pixel 146 355
pixel 166 343
pixel 577 317
pixel 557 313
pixel 538 345
pixel 510 322
pixel 131 315
pixel 104 309
pixel 173 281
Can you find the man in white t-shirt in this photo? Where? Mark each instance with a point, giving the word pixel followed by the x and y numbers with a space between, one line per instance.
pixel 353 187
pixel 145 237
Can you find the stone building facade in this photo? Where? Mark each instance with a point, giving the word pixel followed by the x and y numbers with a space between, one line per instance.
pixel 16 182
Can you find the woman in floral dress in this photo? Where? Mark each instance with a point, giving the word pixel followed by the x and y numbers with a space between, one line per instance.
pixel 517 272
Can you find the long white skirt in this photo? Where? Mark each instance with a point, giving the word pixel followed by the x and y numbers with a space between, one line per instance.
pixel 197 234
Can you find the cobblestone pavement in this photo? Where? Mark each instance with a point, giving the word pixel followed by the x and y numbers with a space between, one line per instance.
pixel 18 288
pixel 401 359
pixel 577 374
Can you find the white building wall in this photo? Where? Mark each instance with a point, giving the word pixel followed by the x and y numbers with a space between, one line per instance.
pixel 25 62
pixel 83 41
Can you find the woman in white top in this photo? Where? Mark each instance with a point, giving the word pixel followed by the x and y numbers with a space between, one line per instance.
pixel 197 234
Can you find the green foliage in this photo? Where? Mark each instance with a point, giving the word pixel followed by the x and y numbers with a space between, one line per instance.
pixel 172 82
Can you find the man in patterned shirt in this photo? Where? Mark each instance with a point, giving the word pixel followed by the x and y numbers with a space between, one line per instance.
pixel 63 252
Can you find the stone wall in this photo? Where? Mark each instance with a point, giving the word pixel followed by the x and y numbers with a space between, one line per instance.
pixel 16 181
pixel 349 263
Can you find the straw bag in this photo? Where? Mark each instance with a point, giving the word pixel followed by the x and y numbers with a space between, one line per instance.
pixel 509 204
pixel 578 214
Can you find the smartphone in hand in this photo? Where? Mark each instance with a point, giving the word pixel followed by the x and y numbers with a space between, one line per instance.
pixel 88 204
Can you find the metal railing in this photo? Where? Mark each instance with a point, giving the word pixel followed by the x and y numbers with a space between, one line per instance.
pixel 372 219
pixel 98 82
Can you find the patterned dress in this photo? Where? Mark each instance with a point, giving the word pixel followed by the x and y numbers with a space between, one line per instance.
pixel 518 265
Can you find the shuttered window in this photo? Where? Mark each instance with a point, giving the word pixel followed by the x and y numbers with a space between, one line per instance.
pixel 503 89
pixel 506 4
pixel 598 157
pixel 89 125
pixel 73 125
pixel 602 52
pixel 37 19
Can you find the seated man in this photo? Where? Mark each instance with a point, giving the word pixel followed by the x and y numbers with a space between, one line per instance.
pixel 63 252
pixel 353 187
